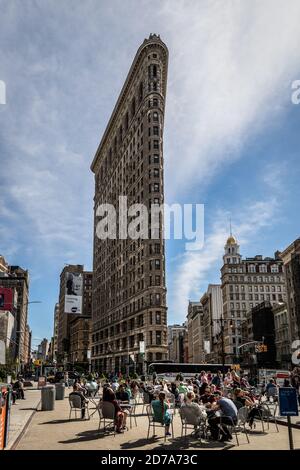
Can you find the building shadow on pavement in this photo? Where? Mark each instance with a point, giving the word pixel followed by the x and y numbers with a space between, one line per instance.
pixel 85 436
pixel 62 421
pixel 176 443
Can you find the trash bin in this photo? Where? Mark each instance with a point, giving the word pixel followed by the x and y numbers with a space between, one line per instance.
pixel 60 391
pixel 48 398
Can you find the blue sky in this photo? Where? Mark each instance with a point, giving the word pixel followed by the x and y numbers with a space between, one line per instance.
pixel 231 130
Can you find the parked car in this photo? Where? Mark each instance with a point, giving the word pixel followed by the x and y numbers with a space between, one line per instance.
pixel 60 376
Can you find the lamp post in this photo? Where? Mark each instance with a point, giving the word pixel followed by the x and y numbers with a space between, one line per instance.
pixel 221 321
pixel 27 302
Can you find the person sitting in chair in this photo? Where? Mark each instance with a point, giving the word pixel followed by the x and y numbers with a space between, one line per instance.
pixel 83 400
pixel 228 417
pixel 160 411
pixel 120 414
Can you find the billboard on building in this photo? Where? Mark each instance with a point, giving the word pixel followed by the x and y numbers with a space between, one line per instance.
pixel 7 299
pixel 73 293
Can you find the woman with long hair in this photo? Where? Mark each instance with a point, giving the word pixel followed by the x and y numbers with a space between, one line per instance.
pixel 160 410
pixel 120 415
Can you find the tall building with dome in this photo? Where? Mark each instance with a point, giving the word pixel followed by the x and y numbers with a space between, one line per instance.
pixel 246 283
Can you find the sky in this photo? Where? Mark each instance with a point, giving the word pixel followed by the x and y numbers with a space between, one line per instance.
pixel 230 141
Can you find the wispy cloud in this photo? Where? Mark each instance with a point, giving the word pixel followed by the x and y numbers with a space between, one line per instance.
pixel 192 275
pixel 231 67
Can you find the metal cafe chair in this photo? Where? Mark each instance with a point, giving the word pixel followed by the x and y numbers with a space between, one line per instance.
pixel 76 403
pixel 153 423
pixel 106 412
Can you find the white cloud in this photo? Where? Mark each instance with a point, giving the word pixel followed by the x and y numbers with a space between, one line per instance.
pixel 231 67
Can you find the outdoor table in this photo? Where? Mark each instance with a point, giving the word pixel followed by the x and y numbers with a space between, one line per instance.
pixel 94 402
pixel 130 407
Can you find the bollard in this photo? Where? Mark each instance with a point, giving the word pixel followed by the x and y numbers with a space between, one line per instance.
pixel 48 398
pixel 60 391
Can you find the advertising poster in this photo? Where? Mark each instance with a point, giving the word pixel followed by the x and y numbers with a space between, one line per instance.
pixel 73 293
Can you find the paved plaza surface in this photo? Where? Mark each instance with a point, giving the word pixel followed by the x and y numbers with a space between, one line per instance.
pixel 52 430
pixel 21 414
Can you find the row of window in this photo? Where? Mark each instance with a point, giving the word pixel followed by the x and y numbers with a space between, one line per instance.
pixel 242 269
pixel 267 279
pixel 262 288
pixel 267 297
pixel 252 268
pixel 155 338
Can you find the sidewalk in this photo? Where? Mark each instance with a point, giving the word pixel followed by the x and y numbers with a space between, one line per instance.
pixel 21 415
pixel 52 430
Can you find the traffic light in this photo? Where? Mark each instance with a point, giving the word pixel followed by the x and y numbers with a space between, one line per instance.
pixel 260 348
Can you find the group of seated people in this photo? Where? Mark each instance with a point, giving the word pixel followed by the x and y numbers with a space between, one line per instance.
pixel 209 397
pixel 204 398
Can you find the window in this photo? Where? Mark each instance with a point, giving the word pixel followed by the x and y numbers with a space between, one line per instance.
pixel 274 268
pixel 141 91
pixel 155 158
pixel 156 172
pixel 155 116
pixel 155 130
pixel 155 144
pixel 155 102
pixel 156 187
pixel 133 107
pixel 140 337
pixel 158 338
pixel 157 264
pixel 157 318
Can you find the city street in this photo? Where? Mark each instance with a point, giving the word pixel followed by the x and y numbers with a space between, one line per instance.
pixel 52 430
pixel 149 238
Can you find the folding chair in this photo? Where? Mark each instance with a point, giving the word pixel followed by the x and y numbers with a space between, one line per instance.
pixel 106 412
pixel 76 403
pixel 153 423
pixel 190 421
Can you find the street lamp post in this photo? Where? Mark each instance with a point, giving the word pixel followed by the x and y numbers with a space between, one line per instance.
pixel 221 322
pixel 22 332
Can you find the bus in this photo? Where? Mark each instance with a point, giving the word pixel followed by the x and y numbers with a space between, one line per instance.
pixel 171 369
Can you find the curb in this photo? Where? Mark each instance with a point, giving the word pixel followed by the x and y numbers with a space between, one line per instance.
pixel 284 423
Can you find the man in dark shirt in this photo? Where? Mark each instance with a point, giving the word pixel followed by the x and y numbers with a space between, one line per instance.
pixel 121 394
pixel 207 397
pixel 228 417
